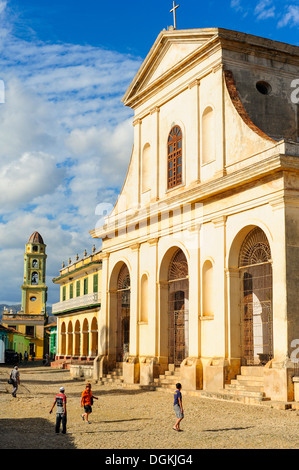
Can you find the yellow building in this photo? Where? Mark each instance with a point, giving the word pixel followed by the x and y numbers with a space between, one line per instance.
pixel 30 320
pixel 78 310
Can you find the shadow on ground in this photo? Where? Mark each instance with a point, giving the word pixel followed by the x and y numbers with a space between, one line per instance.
pixel 29 433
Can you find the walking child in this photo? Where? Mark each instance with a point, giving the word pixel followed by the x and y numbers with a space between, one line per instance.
pixel 87 401
pixel 178 407
pixel 60 401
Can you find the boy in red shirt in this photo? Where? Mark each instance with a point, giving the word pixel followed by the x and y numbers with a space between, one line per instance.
pixel 87 401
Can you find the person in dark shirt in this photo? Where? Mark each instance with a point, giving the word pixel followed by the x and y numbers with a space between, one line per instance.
pixel 15 378
pixel 178 407
pixel 60 401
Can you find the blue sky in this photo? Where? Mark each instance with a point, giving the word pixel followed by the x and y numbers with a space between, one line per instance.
pixel 66 65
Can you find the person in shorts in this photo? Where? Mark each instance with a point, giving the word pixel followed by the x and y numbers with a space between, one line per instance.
pixel 178 407
pixel 87 401
pixel 15 378
pixel 60 401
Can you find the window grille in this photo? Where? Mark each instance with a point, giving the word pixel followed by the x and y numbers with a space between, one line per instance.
pixel 174 157
pixel 256 299
pixel 178 309
pixel 123 317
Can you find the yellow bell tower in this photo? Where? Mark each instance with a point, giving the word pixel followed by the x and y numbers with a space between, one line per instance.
pixel 31 319
pixel 34 289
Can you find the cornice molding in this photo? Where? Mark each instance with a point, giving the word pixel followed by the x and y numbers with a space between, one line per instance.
pixel 203 191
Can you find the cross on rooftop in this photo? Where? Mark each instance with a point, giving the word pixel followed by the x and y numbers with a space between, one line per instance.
pixel 174 13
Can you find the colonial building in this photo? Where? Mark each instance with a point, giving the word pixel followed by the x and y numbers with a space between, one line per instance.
pixel 200 253
pixel 78 311
pixel 30 320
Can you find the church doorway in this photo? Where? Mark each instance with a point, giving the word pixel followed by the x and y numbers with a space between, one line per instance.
pixel 255 268
pixel 123 314
pixel 178 309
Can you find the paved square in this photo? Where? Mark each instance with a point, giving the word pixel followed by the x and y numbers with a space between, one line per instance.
pixel 124 418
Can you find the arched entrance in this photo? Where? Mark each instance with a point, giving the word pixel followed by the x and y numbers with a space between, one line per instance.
pixel 85 338
pixel 123 314
pixel 63 340
pixel 94 337
pixel 77 333
pixel 70 339
pixel 255 268
pixel 178 309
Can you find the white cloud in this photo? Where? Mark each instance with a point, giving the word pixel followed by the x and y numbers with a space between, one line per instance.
pixel 3 5
pixel 22 180
pixel 265 9
pixel 291 17
pixel 66 141
pixel 236 4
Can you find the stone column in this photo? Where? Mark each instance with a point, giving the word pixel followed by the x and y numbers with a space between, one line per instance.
pixel 194 91
pixel 155 112
pixel 233 321
pixel 131 368
pixel 101 362
pixel 137 142
pixel 220 149
pixel 278 373
pixel 149 365
pixel 215 370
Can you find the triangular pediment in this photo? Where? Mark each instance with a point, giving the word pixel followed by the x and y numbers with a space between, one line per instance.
pixel 169 52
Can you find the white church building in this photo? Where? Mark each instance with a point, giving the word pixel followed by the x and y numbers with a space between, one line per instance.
pixel 200 255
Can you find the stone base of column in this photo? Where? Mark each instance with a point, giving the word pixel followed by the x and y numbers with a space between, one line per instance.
pixel 278 380
pixel 131 370
pixel 149 370
pixel 191 373
pixel 100 367
pixel 216 372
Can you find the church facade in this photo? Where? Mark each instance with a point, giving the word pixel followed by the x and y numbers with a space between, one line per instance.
pixel 200 252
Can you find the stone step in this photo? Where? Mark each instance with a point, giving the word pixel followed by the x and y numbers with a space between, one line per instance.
pixel 112 381
pixel 168 381
pixel 224 395
pixel 167 385
pixel 248 382
pixel 249 388
pixel 164 388
pixel 250 378
pixel 245 392
pixel 255 371
pixel 150 387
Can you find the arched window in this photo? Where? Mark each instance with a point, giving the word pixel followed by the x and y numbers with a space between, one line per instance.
pixel 144 298
pixel 146 168
pixel 208 135
pixel 34 278
pixel 207 289
pixel 174 157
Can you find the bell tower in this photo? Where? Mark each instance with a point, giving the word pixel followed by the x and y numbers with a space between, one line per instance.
pixel 34 289
pixel 32 317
